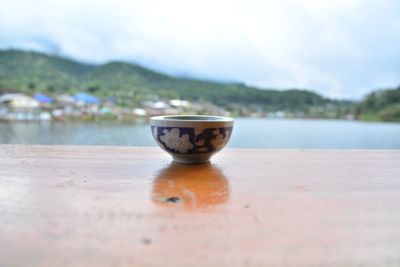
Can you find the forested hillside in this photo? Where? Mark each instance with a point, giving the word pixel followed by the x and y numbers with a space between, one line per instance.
pixel 31 72
pixel 382 105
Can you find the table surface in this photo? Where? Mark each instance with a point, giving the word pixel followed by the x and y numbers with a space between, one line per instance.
pixel 130 206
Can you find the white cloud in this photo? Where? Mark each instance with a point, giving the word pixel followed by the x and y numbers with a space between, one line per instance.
pixel 340 48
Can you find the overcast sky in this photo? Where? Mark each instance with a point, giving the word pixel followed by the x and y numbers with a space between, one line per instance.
pixel 339 48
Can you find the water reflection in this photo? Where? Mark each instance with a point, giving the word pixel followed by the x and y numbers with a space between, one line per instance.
pixel 190 187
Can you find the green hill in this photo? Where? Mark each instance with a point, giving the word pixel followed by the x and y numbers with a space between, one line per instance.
pixel 31 72
pixel 381 105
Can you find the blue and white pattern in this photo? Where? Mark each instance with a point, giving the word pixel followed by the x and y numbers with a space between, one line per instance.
pixel 185 140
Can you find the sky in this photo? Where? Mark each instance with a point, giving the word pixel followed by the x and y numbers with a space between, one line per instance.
pixel 339 48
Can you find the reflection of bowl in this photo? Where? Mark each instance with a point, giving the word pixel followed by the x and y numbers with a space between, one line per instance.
pixel 191 138
pixel 190 187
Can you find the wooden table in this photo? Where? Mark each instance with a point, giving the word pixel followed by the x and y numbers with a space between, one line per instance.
pixel 129 206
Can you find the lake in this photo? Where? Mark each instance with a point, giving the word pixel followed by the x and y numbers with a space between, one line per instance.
pixel 248 132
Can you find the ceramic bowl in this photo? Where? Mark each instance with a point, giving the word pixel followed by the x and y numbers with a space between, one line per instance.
pixel 191 139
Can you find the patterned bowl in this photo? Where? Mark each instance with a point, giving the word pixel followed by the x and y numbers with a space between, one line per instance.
pixel 191 139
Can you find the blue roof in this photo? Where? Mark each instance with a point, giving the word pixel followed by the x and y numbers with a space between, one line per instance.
pixel 42 98
pixel 86 98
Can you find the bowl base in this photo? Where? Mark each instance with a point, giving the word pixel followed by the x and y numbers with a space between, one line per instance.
pixel 192 159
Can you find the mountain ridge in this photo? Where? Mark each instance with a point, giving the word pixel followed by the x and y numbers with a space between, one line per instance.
pixel 30 71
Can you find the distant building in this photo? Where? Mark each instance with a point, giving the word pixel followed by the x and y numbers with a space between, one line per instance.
pixel 45 101
pixel 19 102
pixel 139 112
pixel 178 103
pixel 65 100
pixel 19 107
pixel 83 99
pixel 154 108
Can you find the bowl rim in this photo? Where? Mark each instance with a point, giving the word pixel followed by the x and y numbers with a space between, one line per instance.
pixel 198 118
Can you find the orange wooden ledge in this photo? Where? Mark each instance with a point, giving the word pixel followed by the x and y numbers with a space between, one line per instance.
pixel 129 206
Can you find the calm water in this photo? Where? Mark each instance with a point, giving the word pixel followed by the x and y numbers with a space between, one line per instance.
pixel 258 133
